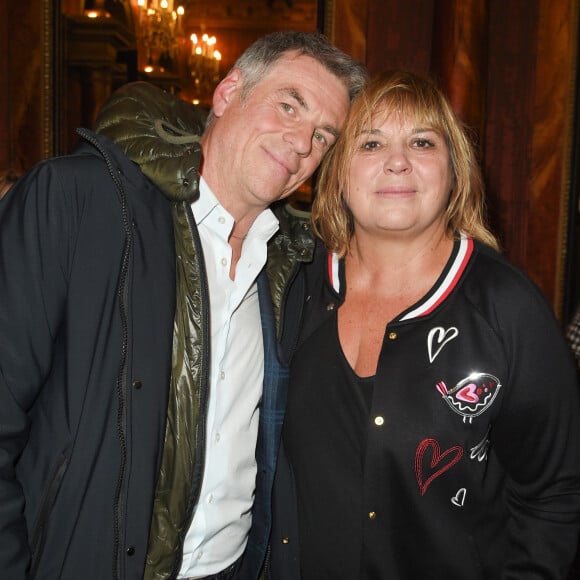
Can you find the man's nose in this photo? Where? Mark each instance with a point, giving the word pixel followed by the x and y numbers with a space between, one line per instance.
pixel 301 140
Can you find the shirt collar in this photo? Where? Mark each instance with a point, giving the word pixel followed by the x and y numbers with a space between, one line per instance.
pixel 264 226
pixel 205 203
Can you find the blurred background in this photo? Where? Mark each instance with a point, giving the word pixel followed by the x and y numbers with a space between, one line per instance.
pixel 510 68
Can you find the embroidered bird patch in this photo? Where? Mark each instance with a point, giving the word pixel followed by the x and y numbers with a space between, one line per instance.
pixel 472 395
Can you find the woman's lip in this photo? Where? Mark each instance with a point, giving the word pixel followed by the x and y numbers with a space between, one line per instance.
pixel 395 190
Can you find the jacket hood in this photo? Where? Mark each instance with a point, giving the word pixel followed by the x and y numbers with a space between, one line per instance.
pixel 158 131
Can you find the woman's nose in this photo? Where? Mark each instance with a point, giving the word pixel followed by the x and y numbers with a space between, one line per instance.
pixel 396 162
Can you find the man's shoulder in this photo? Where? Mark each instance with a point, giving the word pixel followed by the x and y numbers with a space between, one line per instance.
pixel 294 226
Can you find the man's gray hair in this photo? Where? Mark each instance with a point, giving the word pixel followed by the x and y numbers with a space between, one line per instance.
pixel 256 61
pixel 259 58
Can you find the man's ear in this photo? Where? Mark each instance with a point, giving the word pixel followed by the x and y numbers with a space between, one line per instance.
pixel 226 91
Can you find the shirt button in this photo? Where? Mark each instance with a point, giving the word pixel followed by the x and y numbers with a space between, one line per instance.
pixel 217 437
pixel 210 498
pixel 372 515
pixel 224 262
pixel 222 220
pixel 222 375
pixel 379 421
pixel 392 335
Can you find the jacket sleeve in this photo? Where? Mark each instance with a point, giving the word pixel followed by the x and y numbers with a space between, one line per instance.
pixel 35 237
pixel 537 440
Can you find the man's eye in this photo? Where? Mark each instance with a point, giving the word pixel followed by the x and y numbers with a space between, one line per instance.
pixel 286 107
pixel 319 137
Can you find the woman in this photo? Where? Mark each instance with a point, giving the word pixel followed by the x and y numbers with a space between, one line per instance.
pixel 432 428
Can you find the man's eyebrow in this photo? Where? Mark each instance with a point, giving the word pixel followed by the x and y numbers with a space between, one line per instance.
pixel 292 92
pixel 332 130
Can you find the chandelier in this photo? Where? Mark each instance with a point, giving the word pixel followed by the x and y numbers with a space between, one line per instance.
pixel 165 49
pixel 158 27
pixel 203 66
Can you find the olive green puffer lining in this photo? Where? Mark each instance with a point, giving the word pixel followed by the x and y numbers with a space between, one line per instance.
pixel 179 473
pixel 158 131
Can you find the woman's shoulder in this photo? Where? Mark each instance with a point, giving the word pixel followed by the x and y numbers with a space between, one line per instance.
pixel 496 284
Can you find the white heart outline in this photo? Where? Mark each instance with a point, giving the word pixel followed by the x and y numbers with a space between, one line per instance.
pixel 459 498
pixel 443 337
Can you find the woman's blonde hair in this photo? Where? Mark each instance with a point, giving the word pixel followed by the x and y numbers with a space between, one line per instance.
pixel 407 94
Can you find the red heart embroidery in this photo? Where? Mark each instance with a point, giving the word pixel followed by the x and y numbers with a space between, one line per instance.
pixel 455 454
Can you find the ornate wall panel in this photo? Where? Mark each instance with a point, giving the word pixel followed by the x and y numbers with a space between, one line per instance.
pixel 27 84
pixel 551 156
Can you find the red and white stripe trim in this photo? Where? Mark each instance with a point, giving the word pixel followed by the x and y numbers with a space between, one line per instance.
pixel 438 297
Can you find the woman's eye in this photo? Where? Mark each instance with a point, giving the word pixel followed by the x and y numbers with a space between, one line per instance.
pixel 423 143
pixel 370 145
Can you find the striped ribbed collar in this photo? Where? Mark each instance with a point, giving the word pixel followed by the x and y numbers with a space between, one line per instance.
pixel 447 281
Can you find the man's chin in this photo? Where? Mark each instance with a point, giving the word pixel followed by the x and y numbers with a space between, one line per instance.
pixel 269 194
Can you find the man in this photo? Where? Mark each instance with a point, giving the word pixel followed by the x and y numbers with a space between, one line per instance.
pixel 141 396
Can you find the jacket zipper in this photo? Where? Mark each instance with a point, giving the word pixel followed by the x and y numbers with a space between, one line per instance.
pixel 267 562
pixel 122 292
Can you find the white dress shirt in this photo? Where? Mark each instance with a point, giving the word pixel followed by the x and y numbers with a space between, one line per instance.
pixel 218 533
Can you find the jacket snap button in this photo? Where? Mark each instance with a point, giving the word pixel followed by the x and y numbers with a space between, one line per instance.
pixel 137 384
pixel 285 541
pixel 130 551
pixel 372 515
pixel 330 306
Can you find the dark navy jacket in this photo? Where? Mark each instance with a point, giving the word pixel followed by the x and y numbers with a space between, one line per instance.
pixel 87 305
pixel 472 465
